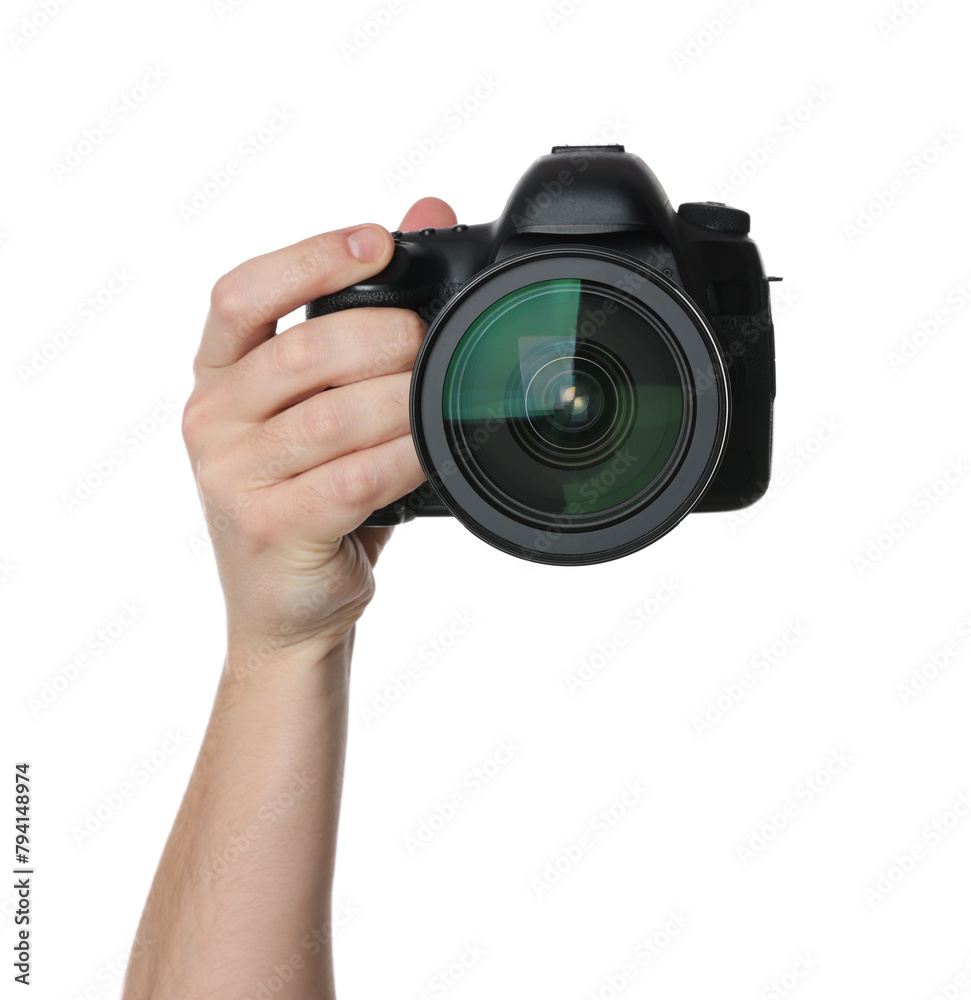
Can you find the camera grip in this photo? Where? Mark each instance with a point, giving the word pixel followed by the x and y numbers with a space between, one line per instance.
pixel 427 269
pixel 416 279
pixel 426 300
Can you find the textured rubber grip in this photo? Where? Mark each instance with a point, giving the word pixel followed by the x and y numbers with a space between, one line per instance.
pixel 427 301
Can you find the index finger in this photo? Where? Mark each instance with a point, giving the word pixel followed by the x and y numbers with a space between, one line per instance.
pixel 247 301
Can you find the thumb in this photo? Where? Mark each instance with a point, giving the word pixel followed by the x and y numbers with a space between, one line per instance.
pixel 428 212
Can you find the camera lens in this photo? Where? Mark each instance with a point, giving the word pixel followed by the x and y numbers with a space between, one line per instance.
pixel 577 410
pixel 555 405
pixel 565 399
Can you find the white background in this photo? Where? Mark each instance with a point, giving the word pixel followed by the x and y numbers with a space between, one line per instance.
pixel 858 436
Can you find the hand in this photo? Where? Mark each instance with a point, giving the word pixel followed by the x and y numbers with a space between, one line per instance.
pixel 286 471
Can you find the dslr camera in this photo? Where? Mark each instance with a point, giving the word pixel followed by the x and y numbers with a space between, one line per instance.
pixel 597 365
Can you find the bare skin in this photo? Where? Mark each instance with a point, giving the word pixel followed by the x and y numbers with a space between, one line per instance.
pixel 241 900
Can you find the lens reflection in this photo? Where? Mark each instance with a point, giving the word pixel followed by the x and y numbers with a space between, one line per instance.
pixel 566 397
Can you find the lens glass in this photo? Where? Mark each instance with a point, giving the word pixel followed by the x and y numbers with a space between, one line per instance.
pixel 567 397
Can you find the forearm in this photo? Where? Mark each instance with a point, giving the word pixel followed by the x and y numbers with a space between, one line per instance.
pixel 287 472
pixel 245 878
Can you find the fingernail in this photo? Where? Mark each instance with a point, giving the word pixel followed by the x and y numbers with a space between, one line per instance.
pixel 366 244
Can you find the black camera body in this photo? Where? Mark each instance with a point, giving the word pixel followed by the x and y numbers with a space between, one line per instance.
pixel 591 228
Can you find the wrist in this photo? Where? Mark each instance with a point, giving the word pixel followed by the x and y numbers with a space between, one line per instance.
pixel 261 658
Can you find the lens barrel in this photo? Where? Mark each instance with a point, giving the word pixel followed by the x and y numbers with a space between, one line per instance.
pixel 570 405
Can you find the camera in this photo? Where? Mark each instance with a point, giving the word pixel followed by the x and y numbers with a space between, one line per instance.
pixel 597 365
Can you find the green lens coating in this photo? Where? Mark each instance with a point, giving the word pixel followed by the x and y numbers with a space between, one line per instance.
pixel 566 397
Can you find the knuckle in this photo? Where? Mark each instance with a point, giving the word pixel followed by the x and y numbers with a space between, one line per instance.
pixel 411 332
pixel 257 525
pixel 228 299
pixel 325 419
pixel 237 511
pixel 394 402
pixel 297 351
pixel 397 334
pixel 195 419
pixel 211 481
pixel 352 482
